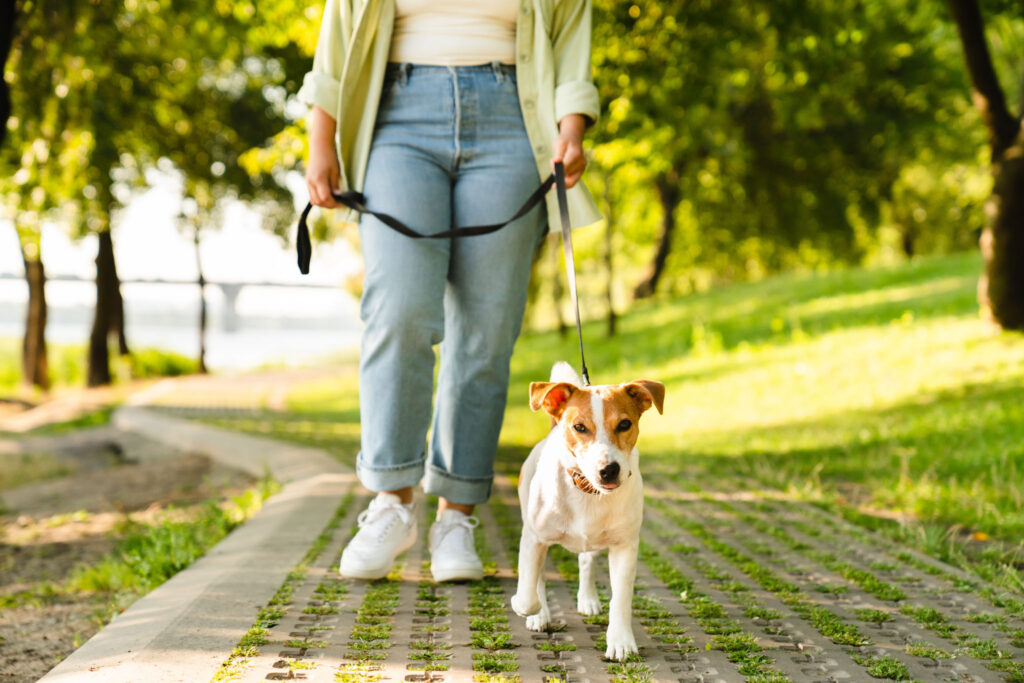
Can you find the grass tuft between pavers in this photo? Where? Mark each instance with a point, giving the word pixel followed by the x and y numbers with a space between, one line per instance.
pixel 249 645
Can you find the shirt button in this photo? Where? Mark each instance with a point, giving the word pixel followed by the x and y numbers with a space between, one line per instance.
pixel 525 57
pixel 528 104
pixel 526 9
pixel 540 149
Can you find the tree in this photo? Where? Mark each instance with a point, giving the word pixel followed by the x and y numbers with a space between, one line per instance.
pixel 768 130
pixel 1001 289
pixel 8 18
pixel 45 147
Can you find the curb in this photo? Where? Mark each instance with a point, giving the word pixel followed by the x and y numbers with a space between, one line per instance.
pixel 183 630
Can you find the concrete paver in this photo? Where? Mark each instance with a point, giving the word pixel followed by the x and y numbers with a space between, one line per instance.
pixel 783 586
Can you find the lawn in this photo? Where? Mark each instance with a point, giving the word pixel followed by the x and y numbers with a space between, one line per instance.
pixel 878 392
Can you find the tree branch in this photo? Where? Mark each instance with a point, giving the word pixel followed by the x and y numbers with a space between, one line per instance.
pixel 988 95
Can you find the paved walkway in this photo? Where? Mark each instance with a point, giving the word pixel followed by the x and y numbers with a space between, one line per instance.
pixel 733 585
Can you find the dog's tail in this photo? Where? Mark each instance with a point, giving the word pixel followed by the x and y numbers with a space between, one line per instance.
pixel 563 372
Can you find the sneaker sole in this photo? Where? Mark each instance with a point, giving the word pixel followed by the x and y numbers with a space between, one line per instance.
pixel 457 574
pixel 377 572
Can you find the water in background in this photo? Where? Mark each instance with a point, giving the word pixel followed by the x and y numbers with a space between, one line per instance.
pixel 275 325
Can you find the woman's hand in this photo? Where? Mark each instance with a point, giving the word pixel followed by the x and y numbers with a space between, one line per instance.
pixel 322 170
pixel 569 147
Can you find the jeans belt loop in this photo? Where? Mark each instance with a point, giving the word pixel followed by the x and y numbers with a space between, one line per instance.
pixel 403 73
pixel 499 73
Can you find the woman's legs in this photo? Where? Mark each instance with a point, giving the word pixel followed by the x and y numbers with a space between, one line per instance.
pixel 402 309
pixel 486 290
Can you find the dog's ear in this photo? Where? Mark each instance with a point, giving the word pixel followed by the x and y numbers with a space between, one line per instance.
pixel 645 392
pixel 551 396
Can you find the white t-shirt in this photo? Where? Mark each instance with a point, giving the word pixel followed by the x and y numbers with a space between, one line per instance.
pixel 454 32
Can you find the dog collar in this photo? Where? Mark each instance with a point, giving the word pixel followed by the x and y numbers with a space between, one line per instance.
pixel 581 482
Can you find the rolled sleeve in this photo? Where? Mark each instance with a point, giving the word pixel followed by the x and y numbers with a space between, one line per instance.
pixel 577 97
pixel 321 90
pixel 574 84
pixel 322 85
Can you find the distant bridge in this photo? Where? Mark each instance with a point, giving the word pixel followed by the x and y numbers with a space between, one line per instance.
pixel 230 290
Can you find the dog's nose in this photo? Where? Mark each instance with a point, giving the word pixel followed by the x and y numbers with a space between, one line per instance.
pixel 609 473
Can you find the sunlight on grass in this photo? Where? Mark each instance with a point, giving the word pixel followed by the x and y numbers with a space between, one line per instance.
pixel 876 390
pixel 881 383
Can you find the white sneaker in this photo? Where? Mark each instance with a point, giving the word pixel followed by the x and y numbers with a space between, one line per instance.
pixel 387 528
pixel 452 552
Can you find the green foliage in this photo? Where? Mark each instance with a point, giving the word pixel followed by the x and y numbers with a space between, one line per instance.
pixel 67 364
pixel 783 136
pixel 149 555
pixel 156 363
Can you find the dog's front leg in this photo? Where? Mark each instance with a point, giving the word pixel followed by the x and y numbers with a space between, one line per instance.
pixel 532 552
pixel 622 568
pixel 587 601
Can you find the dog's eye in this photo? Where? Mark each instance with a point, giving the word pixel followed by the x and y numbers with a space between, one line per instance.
pixel 580 427
pixel 623 426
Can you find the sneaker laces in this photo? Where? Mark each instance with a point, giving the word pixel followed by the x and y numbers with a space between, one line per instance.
pixel 467 523
pixel 376 513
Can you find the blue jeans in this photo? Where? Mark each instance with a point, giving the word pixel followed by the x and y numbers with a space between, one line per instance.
pixel 449 149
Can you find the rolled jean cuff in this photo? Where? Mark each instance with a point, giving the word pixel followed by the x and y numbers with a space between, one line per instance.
pixel 391 477
pixel 459 490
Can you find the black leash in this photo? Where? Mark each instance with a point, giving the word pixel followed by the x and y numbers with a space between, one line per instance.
pixel 357 202
pixel 570 262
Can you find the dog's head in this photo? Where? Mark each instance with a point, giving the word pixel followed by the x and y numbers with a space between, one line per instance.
pixel 599 424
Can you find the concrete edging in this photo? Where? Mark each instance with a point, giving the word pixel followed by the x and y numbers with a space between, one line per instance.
pixel 183 630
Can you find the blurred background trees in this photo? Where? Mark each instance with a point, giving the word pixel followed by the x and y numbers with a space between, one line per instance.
pixel 737 139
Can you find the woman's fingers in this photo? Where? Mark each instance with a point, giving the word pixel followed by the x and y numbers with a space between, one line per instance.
pixel 574 162
pixel 322 177
pixel 320 191
pixel 570 153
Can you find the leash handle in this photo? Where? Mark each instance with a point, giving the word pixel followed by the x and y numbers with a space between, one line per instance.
pixel 570 262
pixel 357 202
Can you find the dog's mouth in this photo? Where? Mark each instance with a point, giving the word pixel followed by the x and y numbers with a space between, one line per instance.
pixel 608 487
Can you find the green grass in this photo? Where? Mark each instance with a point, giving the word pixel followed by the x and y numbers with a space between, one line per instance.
pixel 68 364
pixel 872 390
pixel 148 555
pixel 144 556
pixel 889 668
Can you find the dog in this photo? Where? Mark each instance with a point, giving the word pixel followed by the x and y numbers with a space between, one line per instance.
pixel 581 488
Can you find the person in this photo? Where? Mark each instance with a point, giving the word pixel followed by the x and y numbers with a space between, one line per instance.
pixel 443 113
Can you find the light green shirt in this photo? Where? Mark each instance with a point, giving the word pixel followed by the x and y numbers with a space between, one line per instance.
pixel 552 70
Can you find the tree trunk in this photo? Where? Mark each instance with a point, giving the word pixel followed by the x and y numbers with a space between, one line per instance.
pixel 108 317
pixel 8 14
pixel 35 369
pixel 668 192
pixel 202 305
pixel 609 230
pixel 1001 288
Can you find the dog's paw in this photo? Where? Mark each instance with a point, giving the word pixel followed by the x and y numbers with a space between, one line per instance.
pixel 621 644
pixel 525 608
pixel 539 621
pixel 588 604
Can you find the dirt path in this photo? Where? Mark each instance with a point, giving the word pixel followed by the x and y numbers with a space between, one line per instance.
pixel 91 483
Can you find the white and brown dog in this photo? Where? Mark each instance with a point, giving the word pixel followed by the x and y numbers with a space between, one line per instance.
pixel 581 488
